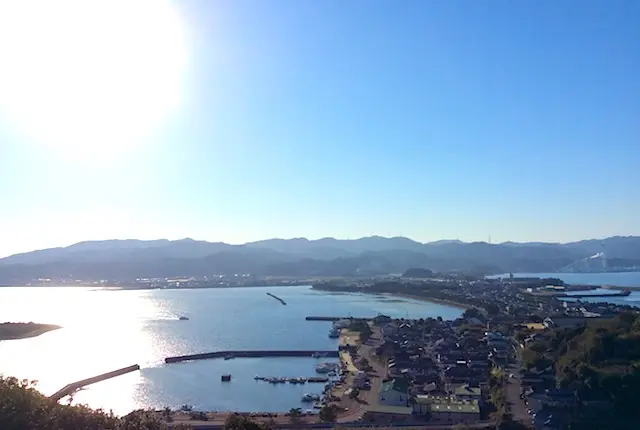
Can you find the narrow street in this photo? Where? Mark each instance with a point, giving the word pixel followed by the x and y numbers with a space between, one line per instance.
pixel 368 398
pixel 517 406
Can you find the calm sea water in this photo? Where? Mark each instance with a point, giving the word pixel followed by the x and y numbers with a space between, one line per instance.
pixel 108 329
pixel 623 279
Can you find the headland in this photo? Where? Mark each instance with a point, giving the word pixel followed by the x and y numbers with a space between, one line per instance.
pixel 12 331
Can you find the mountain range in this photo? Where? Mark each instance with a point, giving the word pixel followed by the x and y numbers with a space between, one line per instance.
pixel 300 257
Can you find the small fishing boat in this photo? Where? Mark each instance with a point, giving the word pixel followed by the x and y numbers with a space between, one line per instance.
pixel 310 398
pixel 226 378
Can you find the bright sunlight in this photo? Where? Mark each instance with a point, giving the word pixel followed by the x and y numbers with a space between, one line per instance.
pixel 90 79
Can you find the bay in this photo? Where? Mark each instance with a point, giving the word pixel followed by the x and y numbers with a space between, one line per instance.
pixel 106 329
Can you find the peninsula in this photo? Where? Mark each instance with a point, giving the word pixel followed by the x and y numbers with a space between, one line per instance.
pixel 11 331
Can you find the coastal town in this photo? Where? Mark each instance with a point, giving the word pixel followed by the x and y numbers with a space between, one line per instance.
pixel 507 362
pixel 485 369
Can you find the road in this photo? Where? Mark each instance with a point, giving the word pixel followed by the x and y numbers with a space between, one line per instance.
pixel 370 397
pixel 517 406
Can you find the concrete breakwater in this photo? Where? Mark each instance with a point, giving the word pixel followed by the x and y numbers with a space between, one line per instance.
pixel 316 318
pixel 277 298
pixel 250 354
pixel 74 386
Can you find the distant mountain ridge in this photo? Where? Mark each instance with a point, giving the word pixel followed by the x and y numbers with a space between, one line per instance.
pixel 301 257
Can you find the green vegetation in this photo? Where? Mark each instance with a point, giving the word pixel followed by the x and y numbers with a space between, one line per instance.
pixel 328 413
pixel 602 363
pixel 239 422
pixel 362 327
pixel 295 414
pixel 22 407
pixel 497 394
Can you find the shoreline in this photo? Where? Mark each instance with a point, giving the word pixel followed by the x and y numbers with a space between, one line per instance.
pixel 433 300
pixel 406 296
pixel 16 331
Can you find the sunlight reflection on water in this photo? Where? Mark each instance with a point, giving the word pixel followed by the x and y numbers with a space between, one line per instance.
pixel 105 329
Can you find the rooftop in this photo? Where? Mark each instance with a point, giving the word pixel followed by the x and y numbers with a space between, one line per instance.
pixel 396 384
pixel 468 408
pixel 466 390
pixel 397 410
pixel 448 404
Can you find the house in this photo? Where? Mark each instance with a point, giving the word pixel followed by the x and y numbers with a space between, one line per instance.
pixel 552 399
pixel 465 392
pixel 389 414
pixel 394 392
pixel 565 322
pixel 447 409
pixel 455 413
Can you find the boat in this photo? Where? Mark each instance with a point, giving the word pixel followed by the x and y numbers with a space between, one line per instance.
pixel 310 398
pixel 343 323
pixel 226 378
pixel 229 356
pixel 183 318
pixel 326 367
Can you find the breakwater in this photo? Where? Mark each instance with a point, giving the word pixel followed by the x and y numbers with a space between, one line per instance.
pixel 584 296
pixel 277 298
pixel 300 380
pixel 75 386
pixel 249 354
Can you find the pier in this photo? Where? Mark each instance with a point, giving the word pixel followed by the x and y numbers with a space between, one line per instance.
pixel 277 298
pixel 624 293
pixel 313 318
pixel 586 295
pixel 301 380
pixel 75 386
pixel 250 354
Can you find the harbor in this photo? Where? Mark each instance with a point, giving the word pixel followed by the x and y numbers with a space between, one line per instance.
pixel 214 325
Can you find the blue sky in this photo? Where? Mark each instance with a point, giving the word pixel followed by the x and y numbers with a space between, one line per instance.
pixel 428 119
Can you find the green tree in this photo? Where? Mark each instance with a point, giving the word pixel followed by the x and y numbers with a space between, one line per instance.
pixel 239 422
pixel 22 407
pixel 354 393
pixel 328 413
pixel 295 414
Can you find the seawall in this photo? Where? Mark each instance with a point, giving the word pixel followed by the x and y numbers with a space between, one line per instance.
pixel 74 386
pixel 249 354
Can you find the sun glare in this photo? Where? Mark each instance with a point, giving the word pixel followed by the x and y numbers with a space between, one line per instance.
pixel 89 78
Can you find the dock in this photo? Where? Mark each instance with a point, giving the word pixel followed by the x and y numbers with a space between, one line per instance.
pixel 75 386
pixel 277 298
pixel 321 318
pixel 586 296
pixel 624 293
pixel 250 354
pixel 284 379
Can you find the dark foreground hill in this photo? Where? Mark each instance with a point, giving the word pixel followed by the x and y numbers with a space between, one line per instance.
pixel 128 259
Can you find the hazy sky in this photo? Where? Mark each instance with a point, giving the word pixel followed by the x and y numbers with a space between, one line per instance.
pixel 244 120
